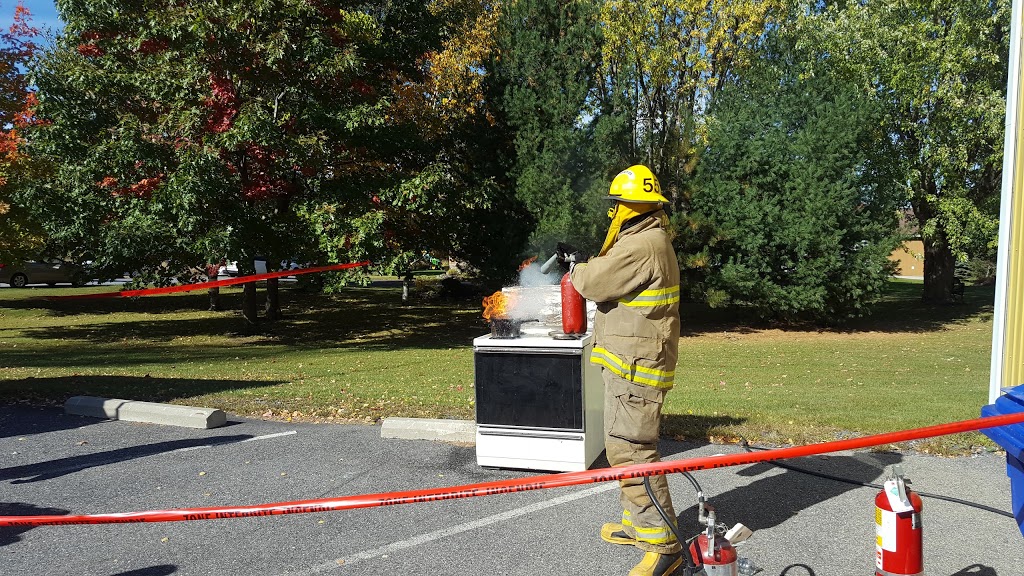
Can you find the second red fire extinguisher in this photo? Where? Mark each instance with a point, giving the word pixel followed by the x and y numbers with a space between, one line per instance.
pixel 899 541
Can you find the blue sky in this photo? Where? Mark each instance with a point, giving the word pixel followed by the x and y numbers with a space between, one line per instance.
pixel 44 14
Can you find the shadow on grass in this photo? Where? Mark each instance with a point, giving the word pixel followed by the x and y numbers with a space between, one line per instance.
pixel 696 427
pixel 42 471
pixel 364 318
pixel 10 534
pixel 138 388
pixel 376 319
pixel 899 310
pixel 231 299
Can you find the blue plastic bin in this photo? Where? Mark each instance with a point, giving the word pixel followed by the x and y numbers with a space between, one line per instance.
pixel 1011 439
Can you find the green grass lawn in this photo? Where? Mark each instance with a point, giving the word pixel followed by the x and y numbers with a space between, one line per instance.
pixel 361 355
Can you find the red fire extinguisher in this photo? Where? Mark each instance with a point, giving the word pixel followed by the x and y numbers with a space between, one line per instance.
pixel 574 308
pixel 899 541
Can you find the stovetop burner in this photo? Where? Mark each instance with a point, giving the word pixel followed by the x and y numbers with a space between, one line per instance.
pixel 564 336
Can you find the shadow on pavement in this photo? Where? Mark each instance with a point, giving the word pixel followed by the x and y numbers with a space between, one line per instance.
pixel 772 500
pixel 798 570
pixel 28 420
pixel 10 535
pixel 161 570
pixel 976 570
pixel 63 466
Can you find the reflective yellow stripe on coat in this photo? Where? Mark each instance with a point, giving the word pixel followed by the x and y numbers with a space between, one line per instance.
pixel 658 297
pixel 638 374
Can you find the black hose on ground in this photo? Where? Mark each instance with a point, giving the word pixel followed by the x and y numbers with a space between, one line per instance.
pixel 746 446
pixel 690 565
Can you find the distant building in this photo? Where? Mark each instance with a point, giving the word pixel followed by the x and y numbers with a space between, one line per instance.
pixel 909 258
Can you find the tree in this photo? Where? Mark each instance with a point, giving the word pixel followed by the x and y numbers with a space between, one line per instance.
pixel 666 60
pixel 548 60
pixel 21 235
pixel 939 70
pixel 804 219
pixel 183 132
pixel 459 199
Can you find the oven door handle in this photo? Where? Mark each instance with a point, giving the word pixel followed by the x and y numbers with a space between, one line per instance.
pixel 530 434
pixel 526 350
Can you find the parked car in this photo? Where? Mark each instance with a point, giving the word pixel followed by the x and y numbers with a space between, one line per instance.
pixel 49 271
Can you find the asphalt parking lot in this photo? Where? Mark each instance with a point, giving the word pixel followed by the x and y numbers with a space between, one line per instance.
pixel 51 463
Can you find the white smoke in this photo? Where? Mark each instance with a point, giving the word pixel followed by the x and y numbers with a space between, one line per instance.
pixel 537 295
pixel 532 276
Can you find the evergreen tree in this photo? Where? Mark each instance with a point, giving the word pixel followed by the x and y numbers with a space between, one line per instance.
pixel 803 218
pixel 548 58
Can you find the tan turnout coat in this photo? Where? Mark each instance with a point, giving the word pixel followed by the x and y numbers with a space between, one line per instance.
pixel 636 288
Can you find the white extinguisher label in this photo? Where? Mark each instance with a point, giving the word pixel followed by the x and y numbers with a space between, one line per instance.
pixel 885 533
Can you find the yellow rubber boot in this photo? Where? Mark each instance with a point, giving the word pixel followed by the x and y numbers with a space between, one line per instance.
pixel 655 564
pixel 616 534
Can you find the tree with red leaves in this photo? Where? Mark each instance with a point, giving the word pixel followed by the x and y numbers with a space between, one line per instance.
pixel 17 114
pixel 182 132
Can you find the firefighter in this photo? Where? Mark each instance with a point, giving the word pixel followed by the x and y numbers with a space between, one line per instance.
pixel 635 282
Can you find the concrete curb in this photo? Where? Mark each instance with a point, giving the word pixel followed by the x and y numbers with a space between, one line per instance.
pixel 151 412
pixel 429 429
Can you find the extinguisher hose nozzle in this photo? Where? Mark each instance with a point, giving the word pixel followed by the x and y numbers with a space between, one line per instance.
pixel 546 267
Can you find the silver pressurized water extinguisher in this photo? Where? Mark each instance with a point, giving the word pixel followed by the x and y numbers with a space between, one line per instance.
pixel 715 553
pixel 709 553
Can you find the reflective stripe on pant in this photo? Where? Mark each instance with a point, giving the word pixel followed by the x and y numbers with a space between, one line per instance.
pixel 632 417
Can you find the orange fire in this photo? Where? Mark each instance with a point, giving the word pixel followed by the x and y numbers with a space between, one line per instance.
pixel 497 305
pixel 527 262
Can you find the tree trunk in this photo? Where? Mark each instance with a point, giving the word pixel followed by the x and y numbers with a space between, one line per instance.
pixel 939 263
pixel 272 310
pixel 249 303
pixel 939 266
pixel 214 294
pixel 212 271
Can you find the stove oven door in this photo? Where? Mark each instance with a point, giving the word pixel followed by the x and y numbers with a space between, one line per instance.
pixel 530 388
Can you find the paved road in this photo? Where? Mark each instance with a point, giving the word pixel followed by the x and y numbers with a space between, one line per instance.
pixel 53 463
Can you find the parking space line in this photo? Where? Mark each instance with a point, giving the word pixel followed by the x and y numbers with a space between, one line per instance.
pixel 452 530
pixel 253 439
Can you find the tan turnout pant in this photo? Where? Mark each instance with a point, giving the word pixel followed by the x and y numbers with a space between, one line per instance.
pixel 632 418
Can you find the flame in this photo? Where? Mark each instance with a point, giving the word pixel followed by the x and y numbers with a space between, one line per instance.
pixel 497 305
pixel 526 263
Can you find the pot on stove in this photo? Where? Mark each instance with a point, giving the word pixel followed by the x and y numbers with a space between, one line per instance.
pixel 505 328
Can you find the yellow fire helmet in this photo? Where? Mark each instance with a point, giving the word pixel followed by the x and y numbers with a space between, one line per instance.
pixel 636 184
pixel 636 191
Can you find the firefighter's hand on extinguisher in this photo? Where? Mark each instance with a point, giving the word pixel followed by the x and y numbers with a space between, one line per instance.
pixel 568 254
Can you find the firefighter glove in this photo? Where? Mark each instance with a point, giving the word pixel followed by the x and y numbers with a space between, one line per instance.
pixel 568 254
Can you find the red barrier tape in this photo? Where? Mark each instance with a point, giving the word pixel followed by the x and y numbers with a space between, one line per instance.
pixel 212 283
pixel 518 485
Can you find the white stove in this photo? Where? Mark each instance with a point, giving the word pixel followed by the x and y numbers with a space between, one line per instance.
pixel 539 402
